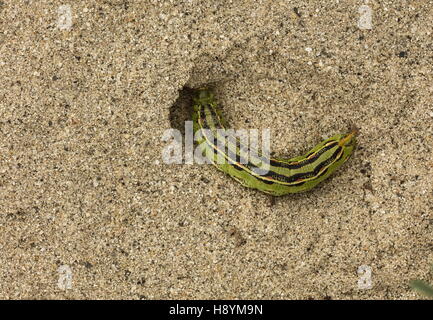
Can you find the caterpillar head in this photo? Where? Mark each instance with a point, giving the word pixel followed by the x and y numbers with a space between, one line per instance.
pixel 204 95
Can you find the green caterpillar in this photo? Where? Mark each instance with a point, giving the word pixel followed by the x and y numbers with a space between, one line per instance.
pixel 282 176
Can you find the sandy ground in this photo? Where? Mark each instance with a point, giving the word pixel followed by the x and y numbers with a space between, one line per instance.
pixel 88 209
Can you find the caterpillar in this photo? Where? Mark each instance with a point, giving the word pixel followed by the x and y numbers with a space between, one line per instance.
pixel 282 176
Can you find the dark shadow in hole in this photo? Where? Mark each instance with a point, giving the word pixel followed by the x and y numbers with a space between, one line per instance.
pixel 182 109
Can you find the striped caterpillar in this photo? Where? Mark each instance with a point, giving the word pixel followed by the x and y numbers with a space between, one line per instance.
pixel 282 176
